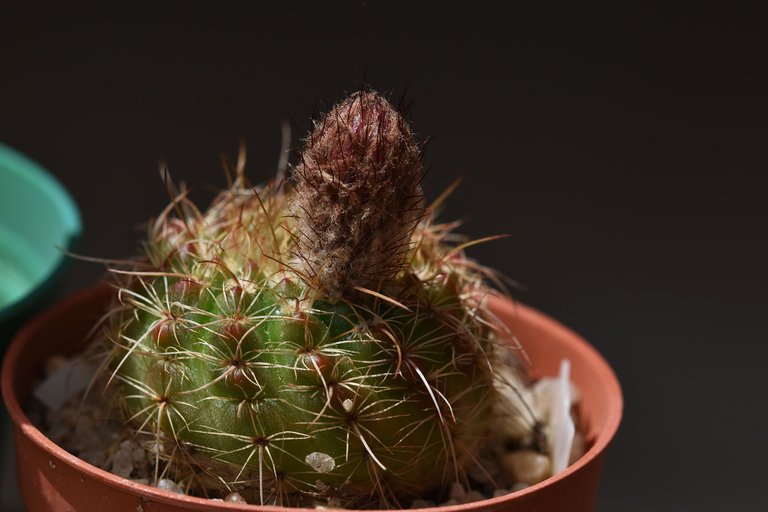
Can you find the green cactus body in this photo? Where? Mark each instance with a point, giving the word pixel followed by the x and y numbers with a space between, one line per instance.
pixel 262 380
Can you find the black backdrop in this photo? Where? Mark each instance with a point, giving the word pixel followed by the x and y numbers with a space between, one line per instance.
pixel 622 147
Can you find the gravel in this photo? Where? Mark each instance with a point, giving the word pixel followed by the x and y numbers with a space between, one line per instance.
pixel 516 459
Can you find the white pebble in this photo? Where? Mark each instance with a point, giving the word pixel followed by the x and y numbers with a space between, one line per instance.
pixel 561 425
pixel 320 462
pixel 234 497
pixel 500 492
pixel 65 382
pixel 332 504
pixel 543 395
pixel 519 486
pixel 514 399
pixel 169 485
pixel 122 463
pixel 527 466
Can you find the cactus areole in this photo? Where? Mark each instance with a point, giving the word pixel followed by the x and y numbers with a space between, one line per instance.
pixel 315 337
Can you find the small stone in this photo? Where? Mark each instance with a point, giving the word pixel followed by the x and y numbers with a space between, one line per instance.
pixel 85 431
pixel 500 492
pixel 514 398
pixel 471 496
pixel 419 503
pixel 122 463
pixel 561 427
pixel 234 497
pixel 449 503
pixel 138 455
pixel 543 393
pixel 348 405
pixel 519 486
pixel 320 462
pixel 64 383
pixel 169 485
pixel 457 491
pixel 527 466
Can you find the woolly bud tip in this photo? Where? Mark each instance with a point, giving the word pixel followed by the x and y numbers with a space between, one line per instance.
pixel 358 195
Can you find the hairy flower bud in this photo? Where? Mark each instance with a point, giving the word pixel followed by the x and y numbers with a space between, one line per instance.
pixel 358 195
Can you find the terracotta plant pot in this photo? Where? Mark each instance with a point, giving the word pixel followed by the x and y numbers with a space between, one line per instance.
pixel 51 479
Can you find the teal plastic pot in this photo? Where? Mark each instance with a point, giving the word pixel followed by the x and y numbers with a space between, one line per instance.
pixel 39 223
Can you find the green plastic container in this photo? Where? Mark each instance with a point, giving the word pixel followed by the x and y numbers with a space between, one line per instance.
pixel 39 223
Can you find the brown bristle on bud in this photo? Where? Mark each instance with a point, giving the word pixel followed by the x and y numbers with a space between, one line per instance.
pixel 358 195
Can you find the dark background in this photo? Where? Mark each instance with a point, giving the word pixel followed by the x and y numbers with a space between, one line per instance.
pixel 623 147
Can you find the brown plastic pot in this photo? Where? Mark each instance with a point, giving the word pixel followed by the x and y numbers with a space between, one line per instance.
pixel 51 479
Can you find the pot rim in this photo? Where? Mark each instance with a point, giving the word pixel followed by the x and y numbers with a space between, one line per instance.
pixel 503 305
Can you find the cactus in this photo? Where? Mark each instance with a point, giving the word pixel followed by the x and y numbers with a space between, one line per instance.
pixel 317 337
